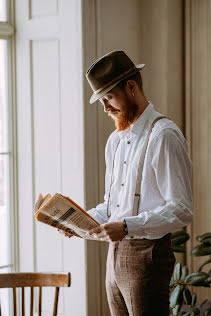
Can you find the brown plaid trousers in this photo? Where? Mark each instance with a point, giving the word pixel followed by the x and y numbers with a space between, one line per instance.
pixel 138 273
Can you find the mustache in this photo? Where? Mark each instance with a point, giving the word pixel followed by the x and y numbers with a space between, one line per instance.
pixel 113 112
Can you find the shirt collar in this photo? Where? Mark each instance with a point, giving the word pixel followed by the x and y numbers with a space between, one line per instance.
pixel 137 128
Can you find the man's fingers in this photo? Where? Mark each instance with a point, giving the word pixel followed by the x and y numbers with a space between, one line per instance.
pixel 102 234
pixel 64 233
pixel 68 235
pixel 96 230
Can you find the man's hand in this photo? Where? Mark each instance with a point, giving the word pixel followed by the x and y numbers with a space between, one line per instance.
pixel 64 233
pixel 113 231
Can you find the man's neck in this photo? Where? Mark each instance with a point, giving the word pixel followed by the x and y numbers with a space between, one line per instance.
pixel 142 107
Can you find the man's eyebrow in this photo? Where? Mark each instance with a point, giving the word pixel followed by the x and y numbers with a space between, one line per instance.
pixel 109 93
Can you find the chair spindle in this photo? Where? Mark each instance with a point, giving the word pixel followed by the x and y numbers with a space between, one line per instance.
pixel 56 301
pixel 14 301
pixel 23 301
pixel 40 300
pixel 32 301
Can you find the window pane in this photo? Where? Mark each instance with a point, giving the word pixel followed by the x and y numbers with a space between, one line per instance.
pixel 3 97
pixel 5 295
pixel 4 211
pixel 3 11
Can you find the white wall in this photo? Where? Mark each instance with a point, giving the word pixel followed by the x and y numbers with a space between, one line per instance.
pixel 50 137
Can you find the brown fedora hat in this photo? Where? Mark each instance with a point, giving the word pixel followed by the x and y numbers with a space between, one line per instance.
pixel 106 72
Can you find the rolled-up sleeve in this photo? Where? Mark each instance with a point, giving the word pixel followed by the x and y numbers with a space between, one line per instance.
pixel 172 168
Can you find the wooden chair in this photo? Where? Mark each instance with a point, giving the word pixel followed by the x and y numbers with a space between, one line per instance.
pixel 14 280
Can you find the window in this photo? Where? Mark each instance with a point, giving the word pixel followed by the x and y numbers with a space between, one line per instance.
pixel 7 185
pixel 3 15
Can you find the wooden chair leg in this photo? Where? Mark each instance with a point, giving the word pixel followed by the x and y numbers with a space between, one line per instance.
pixel 40 301
pixel 32 301
pixel 56 301
pixel 14 301
pixel 23 301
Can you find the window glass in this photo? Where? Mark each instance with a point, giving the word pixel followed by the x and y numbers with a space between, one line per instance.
pixel 5 295
pixel 5 157
pixel 4 211
pixel 3 97
pixel 3 10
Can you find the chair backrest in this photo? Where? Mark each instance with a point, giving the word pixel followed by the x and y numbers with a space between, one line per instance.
pixel 22 280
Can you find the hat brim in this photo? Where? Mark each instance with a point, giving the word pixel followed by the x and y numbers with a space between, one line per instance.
pixel 97 96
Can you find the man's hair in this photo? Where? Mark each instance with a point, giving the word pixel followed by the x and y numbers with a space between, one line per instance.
pixel 136 77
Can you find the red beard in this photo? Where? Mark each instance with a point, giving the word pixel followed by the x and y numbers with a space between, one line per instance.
pixel 126 116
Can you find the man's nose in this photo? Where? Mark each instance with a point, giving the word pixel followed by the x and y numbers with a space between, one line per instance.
pixel 106 106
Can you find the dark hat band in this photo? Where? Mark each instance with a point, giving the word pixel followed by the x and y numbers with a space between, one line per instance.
pixel 114 80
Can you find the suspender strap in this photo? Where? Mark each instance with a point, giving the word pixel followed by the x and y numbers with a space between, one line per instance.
pixel 137 196
pixel 111 180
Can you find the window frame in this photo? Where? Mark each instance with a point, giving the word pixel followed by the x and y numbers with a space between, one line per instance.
pixel 7 32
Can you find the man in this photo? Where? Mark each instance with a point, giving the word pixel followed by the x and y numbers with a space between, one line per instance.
pixel 147 190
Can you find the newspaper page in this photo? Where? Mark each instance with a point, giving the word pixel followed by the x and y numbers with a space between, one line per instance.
pixel 63 213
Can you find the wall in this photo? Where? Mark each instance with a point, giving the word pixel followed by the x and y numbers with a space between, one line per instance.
pixel 198 120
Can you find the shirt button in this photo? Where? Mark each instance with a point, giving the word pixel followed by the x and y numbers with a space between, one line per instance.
pixel 122 184
pixel 117 205
pixel 124 162
pixel 128 142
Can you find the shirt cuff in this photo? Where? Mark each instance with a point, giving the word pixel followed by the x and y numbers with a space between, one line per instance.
pixel 134 226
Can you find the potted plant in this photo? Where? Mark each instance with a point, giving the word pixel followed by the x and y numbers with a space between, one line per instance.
pixel 183 300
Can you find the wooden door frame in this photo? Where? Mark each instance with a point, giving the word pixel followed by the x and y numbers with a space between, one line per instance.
pixel 94 251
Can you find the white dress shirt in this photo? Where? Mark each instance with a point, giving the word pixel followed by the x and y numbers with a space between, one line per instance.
pixel 166 199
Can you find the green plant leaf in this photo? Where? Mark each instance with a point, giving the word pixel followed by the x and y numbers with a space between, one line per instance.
pixel 207 241
pixel 180 239
pixel 179 249
pixel 177 271
pixel 174 295
pixel 194 298
pixel 172 282
pixel 178 234
pixel 201 250
pixel 196 278
pixel 200 238
pixel 176 309
pixel 187 296
pixel 184 273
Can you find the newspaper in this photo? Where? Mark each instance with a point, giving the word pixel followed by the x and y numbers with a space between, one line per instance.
pixel 63 213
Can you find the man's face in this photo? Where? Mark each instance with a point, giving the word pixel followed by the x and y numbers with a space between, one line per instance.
pixel 120 106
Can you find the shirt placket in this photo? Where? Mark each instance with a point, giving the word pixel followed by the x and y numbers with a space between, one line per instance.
pixel 124 161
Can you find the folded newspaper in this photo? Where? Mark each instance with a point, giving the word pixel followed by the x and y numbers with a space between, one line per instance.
pixel 61 212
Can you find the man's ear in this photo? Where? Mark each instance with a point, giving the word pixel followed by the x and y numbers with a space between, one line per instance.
pixel 131 84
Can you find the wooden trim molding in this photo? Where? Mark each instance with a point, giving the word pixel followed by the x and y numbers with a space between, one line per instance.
pixel 6 30
pixel 93 249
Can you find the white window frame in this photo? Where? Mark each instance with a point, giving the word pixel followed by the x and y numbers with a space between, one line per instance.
pixel 7 32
